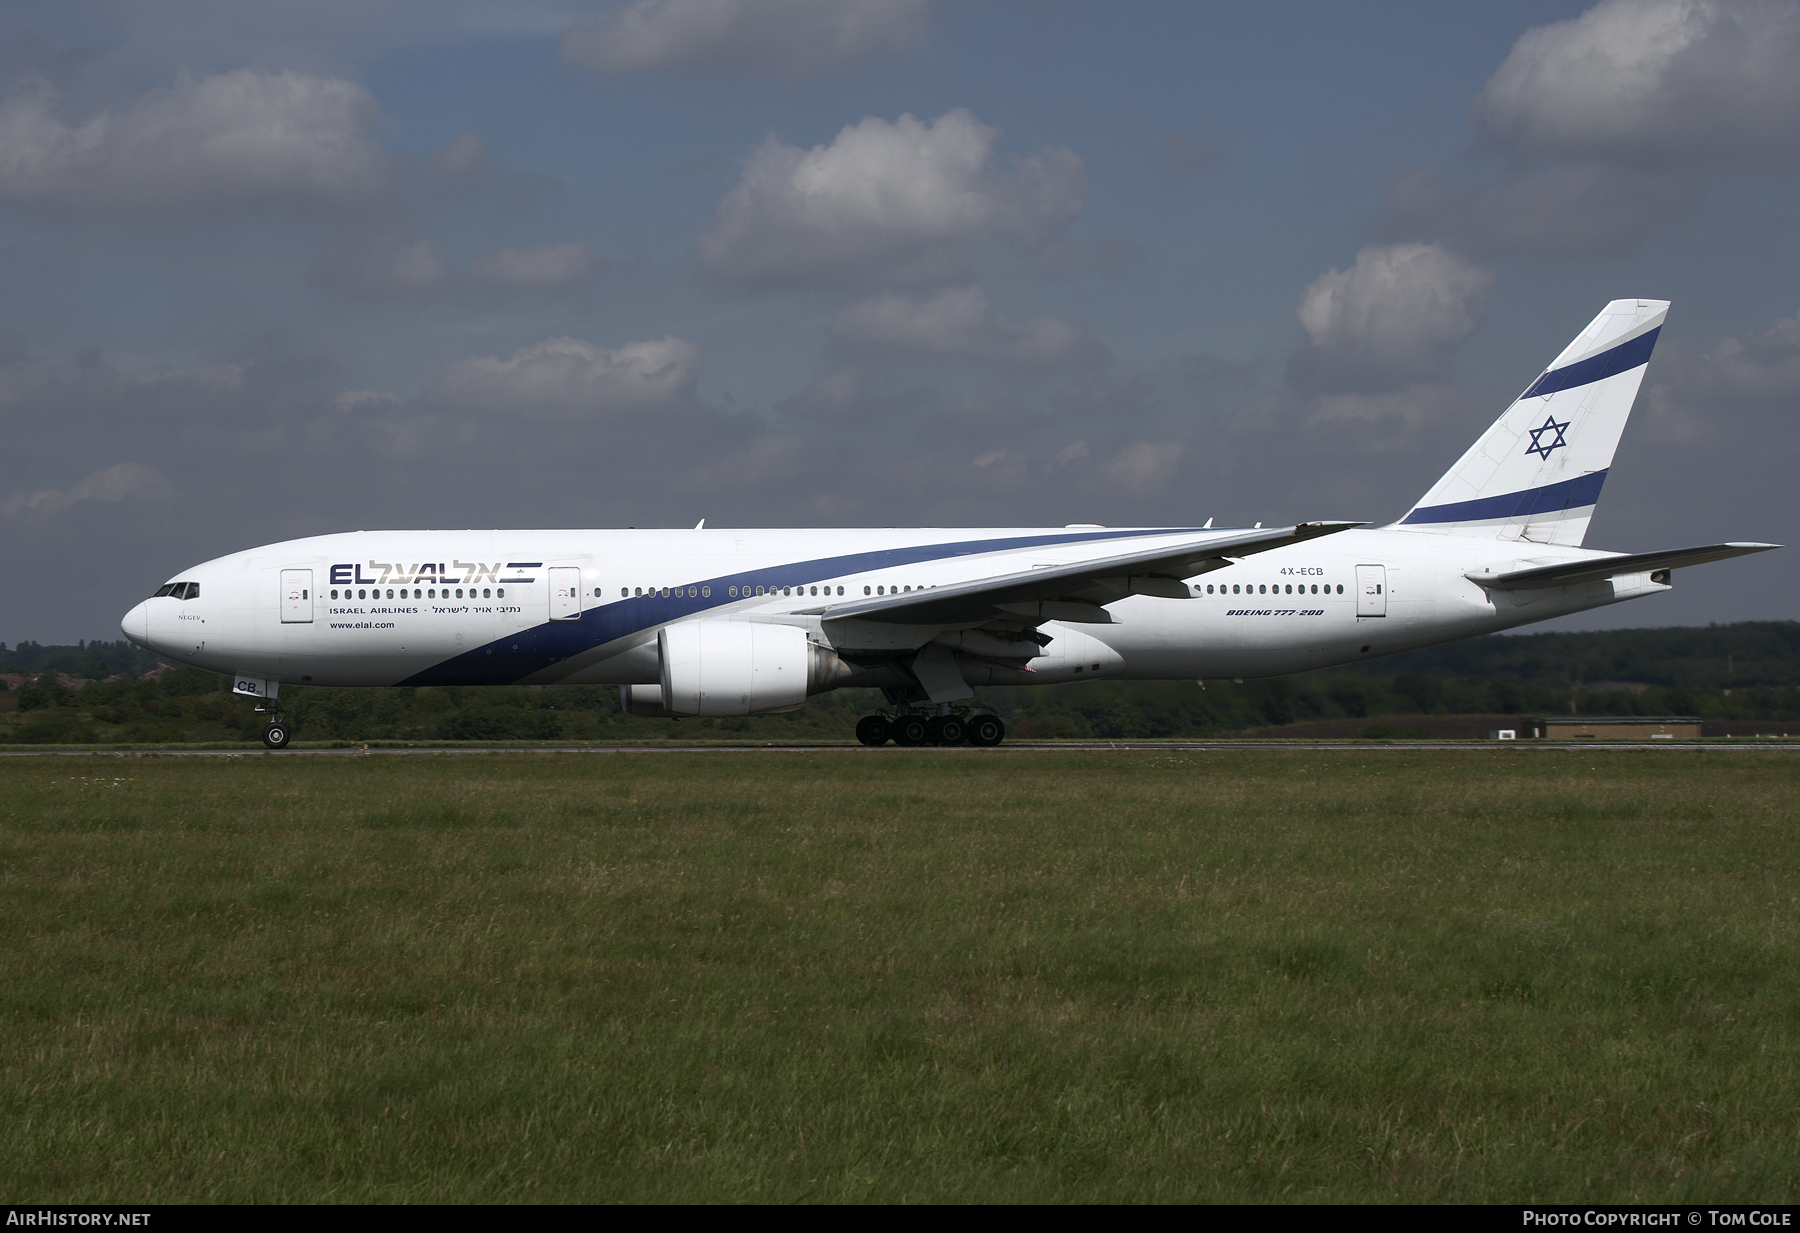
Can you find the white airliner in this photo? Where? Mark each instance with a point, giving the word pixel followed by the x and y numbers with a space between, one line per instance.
pixel 719 622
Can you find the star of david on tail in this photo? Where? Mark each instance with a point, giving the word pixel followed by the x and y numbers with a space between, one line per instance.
pixel 1538 446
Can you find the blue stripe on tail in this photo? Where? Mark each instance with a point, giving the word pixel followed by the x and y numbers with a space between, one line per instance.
pixel 1622 358
pixel 1570 494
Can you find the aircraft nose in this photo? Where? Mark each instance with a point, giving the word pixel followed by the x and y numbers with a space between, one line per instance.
pixel 136 625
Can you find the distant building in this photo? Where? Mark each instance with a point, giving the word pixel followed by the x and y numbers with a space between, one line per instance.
pixel 1618 727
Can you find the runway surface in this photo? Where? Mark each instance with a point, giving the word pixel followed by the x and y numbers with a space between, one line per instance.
pixel 359 751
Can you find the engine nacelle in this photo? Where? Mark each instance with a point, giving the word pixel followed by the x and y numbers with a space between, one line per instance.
pixel 721 668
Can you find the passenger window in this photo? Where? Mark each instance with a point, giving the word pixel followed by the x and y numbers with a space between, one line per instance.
pixel 500 594
pixel 760 591
pixel 485 594
pixel 865 590
pixel 840 590
pixel 881 590
pixel 705 592
pixel 1340 589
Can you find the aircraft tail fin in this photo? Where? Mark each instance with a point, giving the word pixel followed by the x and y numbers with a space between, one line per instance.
pixel 1536 474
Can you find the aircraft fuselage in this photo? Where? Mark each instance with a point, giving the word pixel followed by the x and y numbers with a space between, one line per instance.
pixel 584 607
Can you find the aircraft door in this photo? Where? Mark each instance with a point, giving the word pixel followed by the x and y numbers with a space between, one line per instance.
pixel 565 593
pixel 1371 590
pixel 296 597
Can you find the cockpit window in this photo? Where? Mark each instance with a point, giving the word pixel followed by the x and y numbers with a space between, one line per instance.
pixel 167 588
pixel 178 590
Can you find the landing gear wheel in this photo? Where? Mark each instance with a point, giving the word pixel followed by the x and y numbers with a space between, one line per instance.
pixel 908 730
pixel 947 730
pixel 872 730
pixel 986 730
pixel 277 735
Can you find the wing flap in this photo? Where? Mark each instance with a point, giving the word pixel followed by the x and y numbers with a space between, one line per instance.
pixel 1594 569
pixel 986 598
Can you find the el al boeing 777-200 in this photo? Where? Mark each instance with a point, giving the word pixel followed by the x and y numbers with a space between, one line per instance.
pixel 722 623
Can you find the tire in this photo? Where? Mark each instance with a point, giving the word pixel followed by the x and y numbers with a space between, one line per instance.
pixel 908 730
pixel 986 731
pixel 950 730
pixel 872 730
pixel 277 735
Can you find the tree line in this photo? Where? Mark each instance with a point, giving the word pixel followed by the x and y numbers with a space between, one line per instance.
pixel 1747 671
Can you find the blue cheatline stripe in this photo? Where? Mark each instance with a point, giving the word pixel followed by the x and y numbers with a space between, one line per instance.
pixel 519 655
pixel 1570 494
pixel 1622 358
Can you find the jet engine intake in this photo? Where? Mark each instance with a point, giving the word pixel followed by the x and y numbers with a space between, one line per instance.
pixel 724 668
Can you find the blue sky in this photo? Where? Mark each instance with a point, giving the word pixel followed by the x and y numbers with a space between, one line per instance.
pixel 274 269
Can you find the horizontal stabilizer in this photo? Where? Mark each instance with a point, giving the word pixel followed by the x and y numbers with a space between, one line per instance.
pixel 1595 568
pixel 964 602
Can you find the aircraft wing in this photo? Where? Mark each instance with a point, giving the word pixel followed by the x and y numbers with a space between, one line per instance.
pixel 1074 592
pixel 1607 567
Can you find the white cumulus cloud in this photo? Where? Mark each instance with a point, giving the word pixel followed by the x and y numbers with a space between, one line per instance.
pixel 568 379
pixel 955 322
pixel 237 140
pixel 788 38
pixel 1396 314
pixel 1752 380
pixel 115 483
pixel 1697 80
pixel 560 267
pixel 1143 467
pixel 905 202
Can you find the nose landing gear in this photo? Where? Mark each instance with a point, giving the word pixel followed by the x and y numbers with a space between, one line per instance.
pixel 951 727
pixel 278 731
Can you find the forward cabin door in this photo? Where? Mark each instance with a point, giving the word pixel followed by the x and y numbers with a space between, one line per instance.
pixel 1371 590
pixel 565 593
pixel 296 597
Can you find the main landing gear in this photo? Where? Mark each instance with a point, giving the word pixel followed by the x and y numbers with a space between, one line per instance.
pixel 948 727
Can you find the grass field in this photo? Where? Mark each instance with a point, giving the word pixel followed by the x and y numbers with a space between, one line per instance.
pixel 1485 975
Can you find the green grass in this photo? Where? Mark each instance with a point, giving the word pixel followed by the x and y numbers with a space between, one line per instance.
pixel 1492 975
